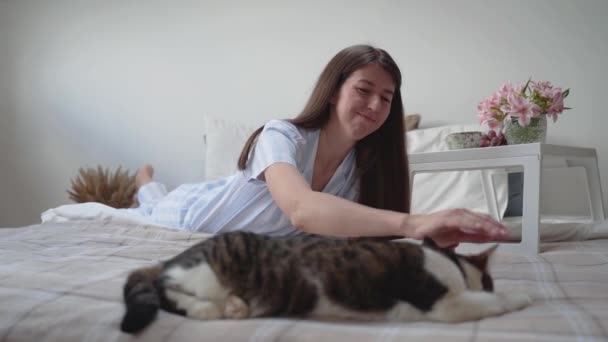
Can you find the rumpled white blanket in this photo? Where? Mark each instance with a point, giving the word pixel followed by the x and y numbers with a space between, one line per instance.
pixel 93 211
pixel 555 228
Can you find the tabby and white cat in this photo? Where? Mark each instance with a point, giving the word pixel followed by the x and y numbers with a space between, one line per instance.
pixel 242 275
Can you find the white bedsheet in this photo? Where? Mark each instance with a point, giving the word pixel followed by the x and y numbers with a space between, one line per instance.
pixel 63 282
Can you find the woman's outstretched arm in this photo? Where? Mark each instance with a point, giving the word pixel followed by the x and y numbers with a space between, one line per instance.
pixel 320 213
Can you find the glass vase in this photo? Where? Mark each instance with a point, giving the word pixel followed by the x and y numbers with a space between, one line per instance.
pixel 535 132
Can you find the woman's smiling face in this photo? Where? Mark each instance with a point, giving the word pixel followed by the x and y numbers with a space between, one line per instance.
pixel 363 102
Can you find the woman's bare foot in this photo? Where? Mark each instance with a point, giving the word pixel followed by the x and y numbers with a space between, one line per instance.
pixel 144 175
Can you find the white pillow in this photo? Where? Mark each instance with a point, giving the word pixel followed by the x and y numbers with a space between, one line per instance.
pixel 225 139
pixel 455 189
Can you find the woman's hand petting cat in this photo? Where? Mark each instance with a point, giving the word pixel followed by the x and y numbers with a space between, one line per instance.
pixel 450 227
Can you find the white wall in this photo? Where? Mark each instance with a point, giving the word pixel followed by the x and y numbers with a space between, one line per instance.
pixel 10 198
pixel 127 82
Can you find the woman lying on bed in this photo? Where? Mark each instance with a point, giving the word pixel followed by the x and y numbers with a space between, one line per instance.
pixel 339 169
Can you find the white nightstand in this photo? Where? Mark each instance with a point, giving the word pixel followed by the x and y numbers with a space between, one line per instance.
pixel 527 158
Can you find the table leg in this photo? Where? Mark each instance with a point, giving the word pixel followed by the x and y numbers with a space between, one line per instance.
pixel 596 201
pixel 530 232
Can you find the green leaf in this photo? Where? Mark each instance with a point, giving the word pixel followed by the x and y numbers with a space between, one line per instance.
pixel 566 92
pixel 526 86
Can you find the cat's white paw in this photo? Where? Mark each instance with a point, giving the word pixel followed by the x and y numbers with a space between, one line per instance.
pixel 513 301
pixel 236 308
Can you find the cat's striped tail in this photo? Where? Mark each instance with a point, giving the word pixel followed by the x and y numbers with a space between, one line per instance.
pixel 142 299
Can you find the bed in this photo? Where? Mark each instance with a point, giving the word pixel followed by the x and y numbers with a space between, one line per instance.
pixel 62 281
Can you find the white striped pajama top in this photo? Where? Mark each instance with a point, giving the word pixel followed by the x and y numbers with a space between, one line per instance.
pixel 242 201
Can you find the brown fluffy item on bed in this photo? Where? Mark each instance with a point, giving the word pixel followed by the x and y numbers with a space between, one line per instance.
pixel 115 189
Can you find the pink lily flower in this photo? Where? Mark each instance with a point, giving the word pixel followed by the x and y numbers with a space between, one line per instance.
pixel 556 107
pixel 522 109
pixel 510 101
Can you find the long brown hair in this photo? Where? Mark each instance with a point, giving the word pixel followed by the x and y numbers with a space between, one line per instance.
pixel 381 156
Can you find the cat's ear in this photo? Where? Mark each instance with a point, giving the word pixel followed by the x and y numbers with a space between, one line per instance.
pixel 481 260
